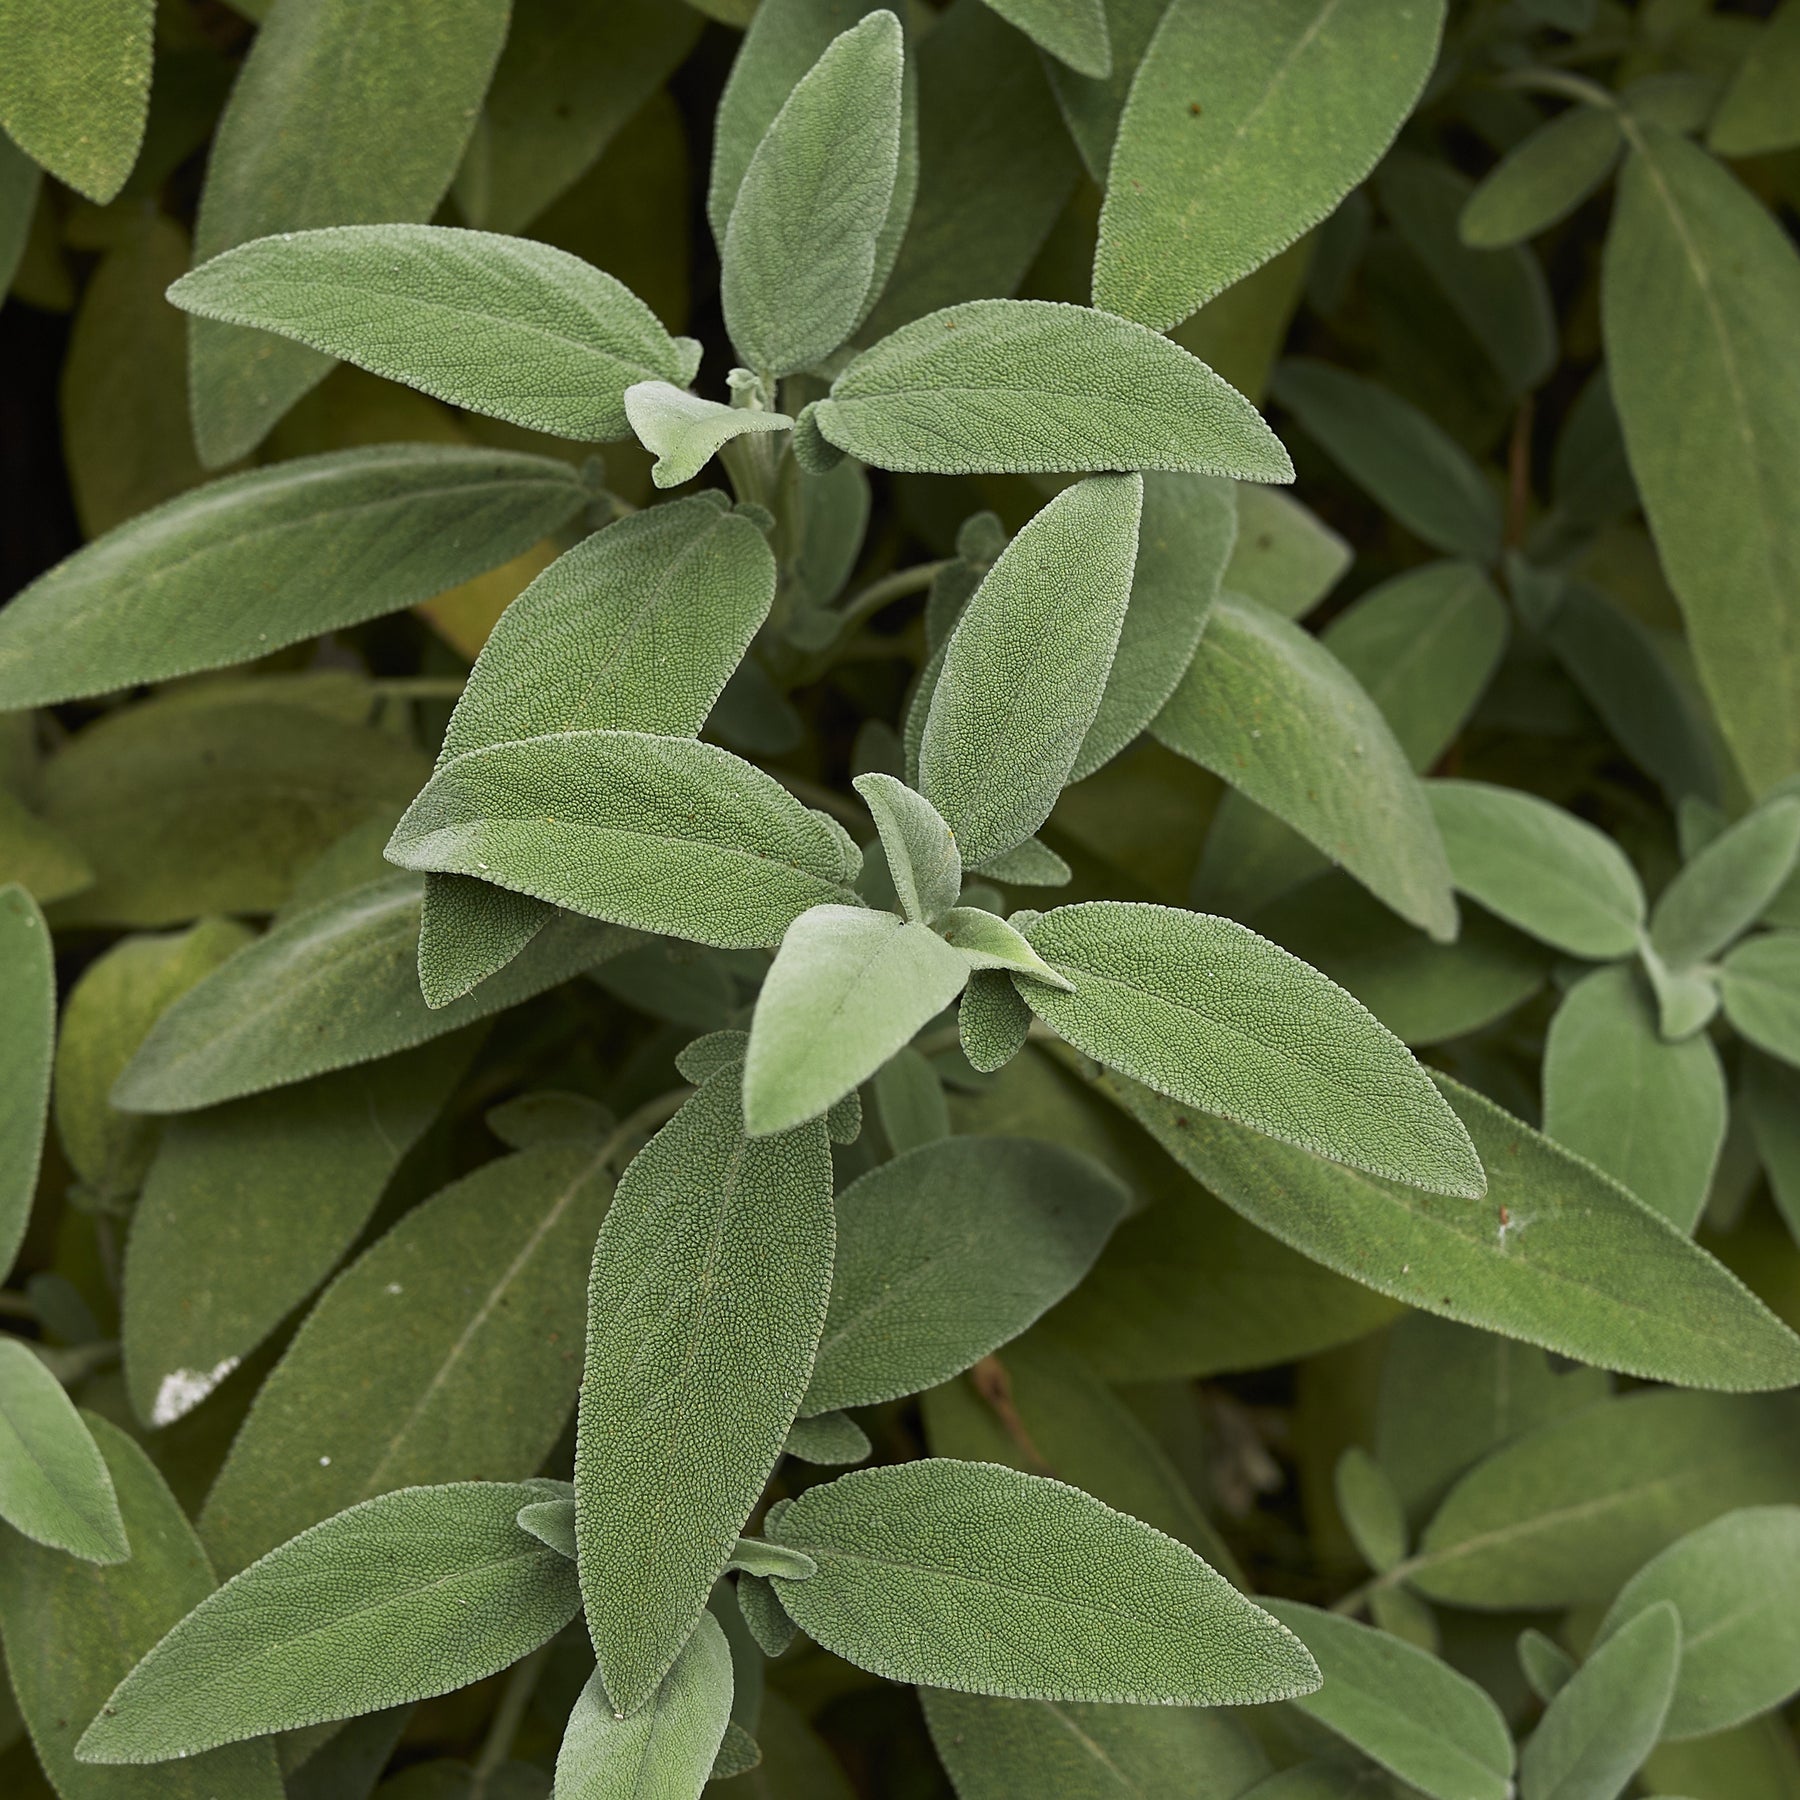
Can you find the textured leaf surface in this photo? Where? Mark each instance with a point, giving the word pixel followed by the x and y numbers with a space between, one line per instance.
pixel 684 433
pixel 1245 127
pixel 708 1293
pixel 922 854
pixel 406 1596
pixel 1026 666
pixel 992 1022
pixel 1022 385
pixel 945 1253
pixel 54 1485
pixel 27 1037
pixel 974 1577
pixel 1725 889
pixel 1206 1011
pixel 246 565
pixel 519 330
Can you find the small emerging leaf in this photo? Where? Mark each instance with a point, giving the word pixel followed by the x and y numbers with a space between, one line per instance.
pixel 684 433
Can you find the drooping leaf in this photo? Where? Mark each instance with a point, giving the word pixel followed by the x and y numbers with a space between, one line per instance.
pixel 403 1597
pixel 1013 386
pixel 1245 127
pixel 708 1293
pixel 253 562
pixel 1207 1012
pixel 54 1485
pixel 684 433
pixel 992 1022
pixel 1542 178
pixel 1724 890
pixel 27 1038
pixel 1760 985
pixel 979 1578
pixel 922 852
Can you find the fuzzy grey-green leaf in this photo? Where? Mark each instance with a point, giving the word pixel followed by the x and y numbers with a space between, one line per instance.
pixel 684 433
pixel 27 1039
pixel 1725 888
pixel 54 1485
pixel 922 853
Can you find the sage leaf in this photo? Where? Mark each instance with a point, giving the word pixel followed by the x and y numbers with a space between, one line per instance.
pixel 1030 864
pixel 992 1022
pixel 406 1596
pixel 1545 1664
pixel 665 1751
pixel 54 1485
pixel 27 1038
pixel 684 433
pixel 1025 668
pixel 974 1577
pixel 1015 386
pixel 1402 1707
pixel 763 1618
pixel 253 562
pixel 1595 1734
pixel 1558 1255
pixel 336 118
pixel 948 1251
pixel 1207 1012
pixel 801 246
pixel 708 1293
pixel 1759 983
pixel 1542 178
pixel 1243 130
pixel 1073 31
pixel 1266 707
pixel 922 853
pixel 1733 1584
pixel 1725 888
pixel 989 942
pixel 830 1438
pixel 1539 868
pixel 552 1522
pixel 334 985
pixel 1753 114
pixel 518 330
pixel 21 181
pixel 1697 287
pixel 1284 557
pixel 1370 1506
pixel 73 1629
pixel 848 988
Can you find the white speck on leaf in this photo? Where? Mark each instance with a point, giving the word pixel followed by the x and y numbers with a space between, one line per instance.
pixel 183 1389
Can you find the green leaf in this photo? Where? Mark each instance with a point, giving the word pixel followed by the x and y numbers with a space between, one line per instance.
pixel 997 1749
pixel 802 245
pixel 1755 114
pixel 1570 1511
pixel 518 330
pixel 1408 1711
pixel 246 565
pixel 848 988
pixel 1222 1020
pixel 21 180
pixel 1370 1507
pixel 684 433
pixel 27 1036
pixel 249 1206
pixel 1269 709
pixel 1030 864
pixel 1545 1664
pixel 1397 455
pixel 989 942
pixel 476 1301
pixel 922 853
pixel 552 1522
pixel 909 1102
pixel 1733 1583
pixel 1539 868
pixel 1648 1112
pixel 1558 1255
pixel 1725 888
pixel 1244 129
pixel 992 1023
pixel 1542 178
pixel 830 1438
pixel 406 1596
pixel 1760 985
pixel 974 1577
pixel 54 1486
pixel 1073 31
pixel 660 833
pixel 37 856
pixel 1771 1098
pixel 708 1294
pixel 1595 1734
pixel 1091 108
pixel 334 985
pixel 336 118
pixel 947 1252
pixel 75 87
pixel 1699 289
pixel 1185 537
pixel 1284 557
pixel 1015 386
pixel 73 1629
pixel 1025 668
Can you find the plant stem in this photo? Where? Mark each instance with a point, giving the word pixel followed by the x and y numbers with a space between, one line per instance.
pixel 877 594
pixel 1540 80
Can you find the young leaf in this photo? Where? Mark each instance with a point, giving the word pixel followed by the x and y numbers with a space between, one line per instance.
pixel 922 853
pixel 1025 668
pixel 54 1486
pixel 1595 1734
pixel 1245 127
pixel 1073 31
pixel 992 1023
pixel 1725 888
pixel 848 988
pixel 518 330
pixel 27 1036
pixel 989 942
pixel 1206 1011
pixel 1760 986
pixel 684 433
pixel 1543 178
pixel 248 564
pixel 1015 386
pixel 1269 709
pixel 707 1296
pixel 801 246
pixel 552 1522
pixel 1285 557
pixel 1698 290
pixel 1403 1708
pixel 1648 1112
pixel 1539 868
pixel 947 1252
pixel 406 1596
pixel 979 1578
